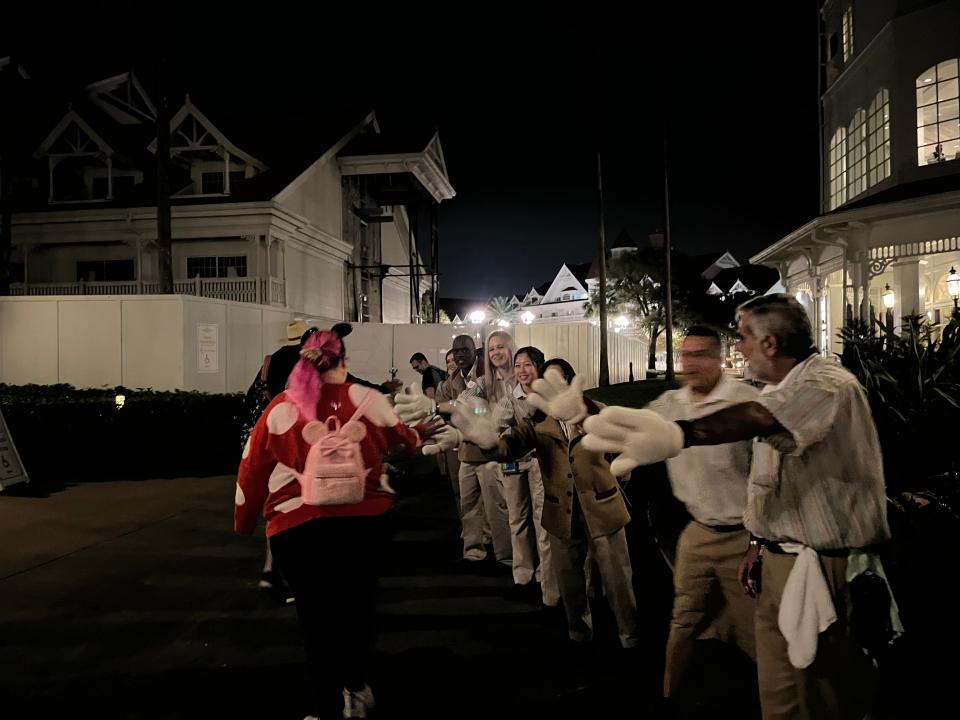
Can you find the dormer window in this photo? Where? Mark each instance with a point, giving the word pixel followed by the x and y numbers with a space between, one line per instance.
pixel 82 167
pixel 208 163
pixel 848 33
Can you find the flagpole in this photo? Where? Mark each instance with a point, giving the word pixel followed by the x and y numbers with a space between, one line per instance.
pixel 602 255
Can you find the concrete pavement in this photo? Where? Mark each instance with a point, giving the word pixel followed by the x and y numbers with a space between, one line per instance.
pixel 136 600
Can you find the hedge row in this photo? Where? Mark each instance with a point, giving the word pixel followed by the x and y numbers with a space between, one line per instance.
pixel 64 434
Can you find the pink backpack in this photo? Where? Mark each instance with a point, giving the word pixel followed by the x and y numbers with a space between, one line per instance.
pixel 334 473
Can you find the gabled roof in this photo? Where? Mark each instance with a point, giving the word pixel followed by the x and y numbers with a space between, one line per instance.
pixel 417 153
pixel 624 241
pixel 123 98
pixel 727 260
pixel 746 278
pixel 200 134
pixel 71 121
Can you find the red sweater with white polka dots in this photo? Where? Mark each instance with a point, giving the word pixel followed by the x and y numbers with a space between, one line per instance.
pixel 276 450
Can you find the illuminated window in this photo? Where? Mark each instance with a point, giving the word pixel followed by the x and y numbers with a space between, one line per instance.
pixel 838 168
pixel 847 33
pixel 938 114
pixel 878 138
pixel 857 155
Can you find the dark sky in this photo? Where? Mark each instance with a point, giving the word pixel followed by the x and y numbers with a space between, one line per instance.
pixel 523 94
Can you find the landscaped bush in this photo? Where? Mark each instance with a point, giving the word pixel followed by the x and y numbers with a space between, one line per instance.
pixel 64 434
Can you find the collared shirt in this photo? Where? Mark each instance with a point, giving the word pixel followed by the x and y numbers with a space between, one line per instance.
pixel 711 480
pixel 451 388
pixel 820 482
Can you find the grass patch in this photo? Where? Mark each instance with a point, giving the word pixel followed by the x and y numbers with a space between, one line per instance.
pixel 635 394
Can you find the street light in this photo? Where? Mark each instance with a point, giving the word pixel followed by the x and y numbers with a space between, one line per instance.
pixel 889 298
pixel 953 286
pixel 621 323
pixel 527 317
pixel 477 317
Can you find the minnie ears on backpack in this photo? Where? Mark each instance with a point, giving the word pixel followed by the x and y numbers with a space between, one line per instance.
pixel 341 330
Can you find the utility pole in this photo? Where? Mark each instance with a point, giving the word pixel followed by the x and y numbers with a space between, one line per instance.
pixel 164 232
pixel 668 250
pixel 602 255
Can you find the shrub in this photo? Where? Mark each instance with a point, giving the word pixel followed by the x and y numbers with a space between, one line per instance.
pixel 65 434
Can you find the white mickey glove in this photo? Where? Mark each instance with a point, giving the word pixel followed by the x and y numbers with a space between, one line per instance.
pixel 477 422
pixel 641 437
pixel 554 397
pixel 446 438
pixel 412 405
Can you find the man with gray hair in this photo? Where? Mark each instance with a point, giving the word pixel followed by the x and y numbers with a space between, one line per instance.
pixel 815 505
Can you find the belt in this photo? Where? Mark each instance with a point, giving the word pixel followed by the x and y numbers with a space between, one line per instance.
pixel 723 528
pixel 774 547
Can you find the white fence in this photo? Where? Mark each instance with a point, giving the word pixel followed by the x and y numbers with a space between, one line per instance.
pixel 172 342
pixel 267 291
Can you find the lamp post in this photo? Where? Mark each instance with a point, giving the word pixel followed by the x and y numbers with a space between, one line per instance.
pixel 953 287
pixel 889 300
pixel 476 319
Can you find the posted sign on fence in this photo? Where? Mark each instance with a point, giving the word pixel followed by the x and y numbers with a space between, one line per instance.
pixel 11 469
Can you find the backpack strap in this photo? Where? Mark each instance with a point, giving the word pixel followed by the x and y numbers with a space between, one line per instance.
pixel 364 404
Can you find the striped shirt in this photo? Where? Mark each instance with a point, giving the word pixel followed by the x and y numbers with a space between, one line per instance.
pixel 711 480
pixel 820 482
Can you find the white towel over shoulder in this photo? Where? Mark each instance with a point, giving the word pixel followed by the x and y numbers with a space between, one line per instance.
pixel 806 608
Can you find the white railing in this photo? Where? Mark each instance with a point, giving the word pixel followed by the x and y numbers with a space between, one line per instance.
pixel 267 291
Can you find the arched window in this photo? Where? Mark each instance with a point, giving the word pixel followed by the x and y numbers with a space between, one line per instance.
pixel 857 154
pixel 838 168
pixel 878 138
pixel 938 114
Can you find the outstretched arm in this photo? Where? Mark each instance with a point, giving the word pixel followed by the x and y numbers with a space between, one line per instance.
pixel 733 424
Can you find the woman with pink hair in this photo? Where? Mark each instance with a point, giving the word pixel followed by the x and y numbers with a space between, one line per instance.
pixel 313 463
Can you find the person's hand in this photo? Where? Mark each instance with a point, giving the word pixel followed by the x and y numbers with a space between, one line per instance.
pixel 553 396
pixel 640 437
pixel 412 405
pixel 444 438
pixel 474 419
pixel 749 571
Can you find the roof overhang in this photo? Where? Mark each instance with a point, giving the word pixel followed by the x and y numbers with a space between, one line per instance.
pixel 831 229
pixel 422 165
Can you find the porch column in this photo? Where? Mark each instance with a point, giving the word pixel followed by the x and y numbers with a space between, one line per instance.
pixel 864 287
pixel 906 285
pixel 815 315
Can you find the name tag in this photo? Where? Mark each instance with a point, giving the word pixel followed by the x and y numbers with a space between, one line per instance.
pixel 510 468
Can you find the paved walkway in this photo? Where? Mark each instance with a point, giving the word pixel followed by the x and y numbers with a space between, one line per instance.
pixel 136 600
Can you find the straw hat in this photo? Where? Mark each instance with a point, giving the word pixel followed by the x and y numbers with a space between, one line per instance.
pixel 295 331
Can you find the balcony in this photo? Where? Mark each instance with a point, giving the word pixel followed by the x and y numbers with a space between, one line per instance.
pixel 263 291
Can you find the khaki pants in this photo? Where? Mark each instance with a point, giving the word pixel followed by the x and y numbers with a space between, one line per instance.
pixel 473 520
pixel 523 492
pixel 708 599
pixel 610 554
pixel 495 511
pixel 840 683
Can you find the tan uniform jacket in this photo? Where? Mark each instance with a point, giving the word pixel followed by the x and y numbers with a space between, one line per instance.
pixel 567 468
pixel 449 391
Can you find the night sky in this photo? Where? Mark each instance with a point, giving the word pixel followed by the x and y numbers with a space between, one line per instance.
pixel 523 95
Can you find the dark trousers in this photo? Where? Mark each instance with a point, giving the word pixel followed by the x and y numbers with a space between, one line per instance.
pixel 331 565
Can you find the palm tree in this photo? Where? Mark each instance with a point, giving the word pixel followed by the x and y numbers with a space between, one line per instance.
pixel 503 310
